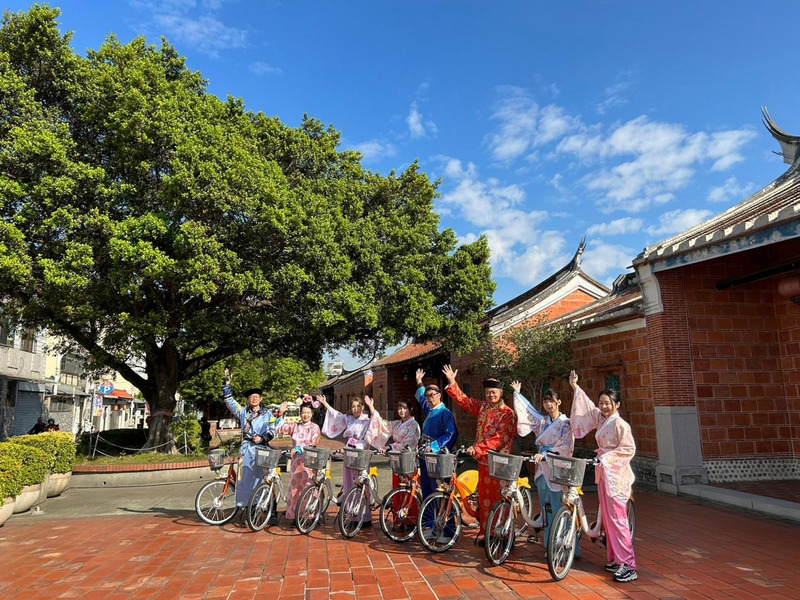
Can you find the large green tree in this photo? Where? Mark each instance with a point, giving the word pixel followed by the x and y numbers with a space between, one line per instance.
pixel 164 229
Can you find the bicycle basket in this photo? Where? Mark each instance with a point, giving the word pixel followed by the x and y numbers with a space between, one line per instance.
pixel 440 466
pixel 316 458
pixel 504 466
pixel 403 463
pixel 216 458
pixel 267 458
pixel 356 459
pixel 565 470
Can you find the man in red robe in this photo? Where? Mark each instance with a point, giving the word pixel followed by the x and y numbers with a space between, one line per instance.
pixel 497 426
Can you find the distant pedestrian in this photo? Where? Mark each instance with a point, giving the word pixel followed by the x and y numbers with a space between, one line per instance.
pixel 39 427
pixel 52 425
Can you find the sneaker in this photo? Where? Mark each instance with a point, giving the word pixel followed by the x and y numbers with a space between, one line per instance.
pixel 612 567
pixel 475 525
pixel 625 574
pixel 336 499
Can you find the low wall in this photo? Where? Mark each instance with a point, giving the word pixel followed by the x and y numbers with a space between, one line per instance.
pixel 94 476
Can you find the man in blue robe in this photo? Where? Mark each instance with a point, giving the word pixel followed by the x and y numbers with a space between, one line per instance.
pixel 439 426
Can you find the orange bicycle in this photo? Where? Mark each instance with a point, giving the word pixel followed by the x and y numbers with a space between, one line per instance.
pixel 215 503
pixel 400 507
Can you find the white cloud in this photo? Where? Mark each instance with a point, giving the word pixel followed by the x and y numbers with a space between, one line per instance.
pixel 521 248
pixel 524 125
pixel 375 149
pixel 417 126
pixel 263 68
pixel 616 227
pixel 730 191
pixel 605 261
pixel 676 221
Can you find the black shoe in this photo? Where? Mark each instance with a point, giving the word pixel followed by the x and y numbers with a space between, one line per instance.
pixel 625 574
pixel 481 542
pixel 612 567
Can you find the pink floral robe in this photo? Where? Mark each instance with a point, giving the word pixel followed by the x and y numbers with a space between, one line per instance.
pixel 613 475
pixel 353 431
pixel 303 434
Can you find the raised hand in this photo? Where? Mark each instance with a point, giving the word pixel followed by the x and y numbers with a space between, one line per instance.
pixel 516 386
pixel 369 402
pixel 450 374
pixel 573 379
pixel 420 374
pixel 283 407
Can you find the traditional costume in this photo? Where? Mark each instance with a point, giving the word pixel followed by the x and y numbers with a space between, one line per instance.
pixel 302 434
pixel 613 475
pixel 440 427
pixel 353 430
pixel 497 427
pixel 253 423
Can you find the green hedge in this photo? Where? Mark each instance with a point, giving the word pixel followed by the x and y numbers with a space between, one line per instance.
pixel 57 445
pixel 35 462
pixel 10 474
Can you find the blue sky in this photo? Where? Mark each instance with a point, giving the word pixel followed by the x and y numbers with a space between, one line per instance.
pixel 626 122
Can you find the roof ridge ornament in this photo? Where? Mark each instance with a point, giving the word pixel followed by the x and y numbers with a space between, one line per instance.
pixel 575 264
pixel 789 143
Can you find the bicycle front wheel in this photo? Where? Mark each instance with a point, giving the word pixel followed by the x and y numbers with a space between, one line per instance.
pixel 439 522
pixel 500 532
pixel 398 515
pixel 354 505
pixel 215 503
pixel 309 508
pixel 261 506
pixel 561 544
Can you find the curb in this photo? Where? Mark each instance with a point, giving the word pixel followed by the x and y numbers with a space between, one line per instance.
pixel 770 507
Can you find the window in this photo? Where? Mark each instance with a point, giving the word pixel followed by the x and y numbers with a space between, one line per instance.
pixel 28 340
pixel 72 364
pixel 612 383
pixel 6 332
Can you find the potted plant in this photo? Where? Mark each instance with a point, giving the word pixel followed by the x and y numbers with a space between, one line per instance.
pixel 60 450
pixel 32 473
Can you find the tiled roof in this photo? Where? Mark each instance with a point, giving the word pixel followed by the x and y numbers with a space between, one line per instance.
pixel 409 352
pixel 776 205
pixel 624 300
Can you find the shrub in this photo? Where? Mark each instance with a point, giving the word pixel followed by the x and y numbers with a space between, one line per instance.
pixel 35 462
pixel 113 442
pixel 57 445
pixel 189 425
pixel 10 474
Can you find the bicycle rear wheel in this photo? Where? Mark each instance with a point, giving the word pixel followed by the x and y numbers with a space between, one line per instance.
pixel 261 507
pixel 527 508
pixel 215 503
pixel 354 505
pixel 561 544
pixel 395 511
pixel 500 532
pixel 439 522
pixel 309 508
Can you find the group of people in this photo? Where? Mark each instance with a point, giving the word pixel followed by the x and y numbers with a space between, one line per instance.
pixel 41 427
pixel 498 425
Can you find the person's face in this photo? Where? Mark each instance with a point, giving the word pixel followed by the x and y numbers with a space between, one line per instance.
pixel 254 400
pixel 606 406
pixel 403 412
pixel 39 420
pixel 493 396
pixel 434 398
pixel 550 404
pixel 305 414
pixel 356 409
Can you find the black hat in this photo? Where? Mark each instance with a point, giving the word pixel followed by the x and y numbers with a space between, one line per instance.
pixel 251 391
pixel 492 383
pixel 433 388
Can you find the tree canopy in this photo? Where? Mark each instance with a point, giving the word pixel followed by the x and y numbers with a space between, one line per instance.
pixel 164 229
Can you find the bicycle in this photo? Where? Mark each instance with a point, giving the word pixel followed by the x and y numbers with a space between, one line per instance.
pixel 316 498
pixel 570 520
pixel 264 500
pixel 362 496
pixel 515 504
pixel 215 502
pixel 402 504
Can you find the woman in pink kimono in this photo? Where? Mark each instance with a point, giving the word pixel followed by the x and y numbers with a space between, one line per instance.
pixel 353 429
pixel 304 433
pixel 613 475
pixel 404 433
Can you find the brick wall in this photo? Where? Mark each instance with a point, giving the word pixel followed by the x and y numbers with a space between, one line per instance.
pixel 744 353
pixel 352 388
pixel 625 355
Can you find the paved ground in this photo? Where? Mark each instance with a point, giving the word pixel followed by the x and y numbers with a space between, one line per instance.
pixel 147 543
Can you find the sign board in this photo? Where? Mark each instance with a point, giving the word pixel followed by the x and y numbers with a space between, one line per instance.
pixel 98 406
pixel 106 388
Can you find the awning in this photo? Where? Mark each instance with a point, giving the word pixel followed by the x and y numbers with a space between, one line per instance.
pixel 65 390
pixel 121 394
pixel 30 386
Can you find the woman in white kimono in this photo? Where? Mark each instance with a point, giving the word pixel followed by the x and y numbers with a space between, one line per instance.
pixel 304 433
pixel 553 434
pixel 353 429
pixel 613 475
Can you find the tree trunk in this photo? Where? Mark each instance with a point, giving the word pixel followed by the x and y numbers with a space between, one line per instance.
pixel 161 397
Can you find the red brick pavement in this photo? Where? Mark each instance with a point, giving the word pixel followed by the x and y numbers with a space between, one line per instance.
pixel 685 550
